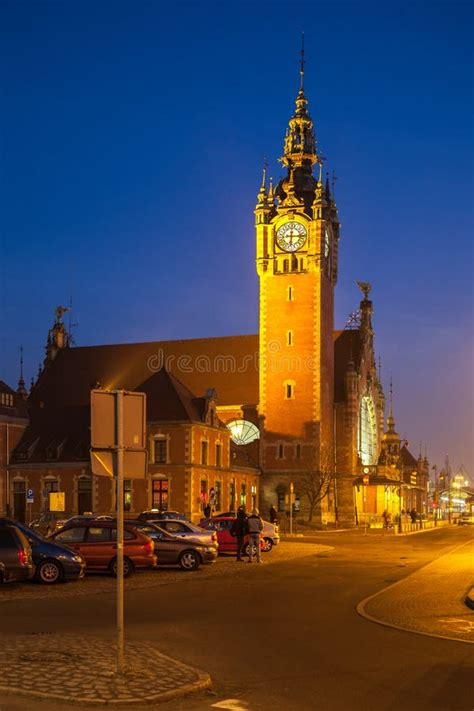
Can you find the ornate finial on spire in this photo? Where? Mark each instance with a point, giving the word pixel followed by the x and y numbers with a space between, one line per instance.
pixel 302 62
pixel 365 288
pixel 21 390
pixel 271 193
pixel 262 193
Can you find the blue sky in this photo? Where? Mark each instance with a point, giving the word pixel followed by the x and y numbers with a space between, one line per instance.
pixel 132 139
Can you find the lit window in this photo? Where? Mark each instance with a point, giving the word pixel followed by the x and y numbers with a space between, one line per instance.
pixel 127 494
pixel 159 494
pixel 243 431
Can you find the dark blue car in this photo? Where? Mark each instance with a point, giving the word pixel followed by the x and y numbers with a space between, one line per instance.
pixel 53 561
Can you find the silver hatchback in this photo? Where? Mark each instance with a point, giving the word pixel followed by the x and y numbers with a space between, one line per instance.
pixel 185 530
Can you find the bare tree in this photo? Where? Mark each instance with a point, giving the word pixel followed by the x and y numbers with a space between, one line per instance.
pixel 316 483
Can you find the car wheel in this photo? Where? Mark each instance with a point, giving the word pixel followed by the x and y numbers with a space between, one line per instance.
pixel 267 545
pixel 189 560
pixel 49 572
pixel 127 567
pixel 247 550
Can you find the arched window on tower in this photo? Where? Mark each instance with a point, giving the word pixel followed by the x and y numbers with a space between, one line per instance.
pixel 285 265
pixel 294 263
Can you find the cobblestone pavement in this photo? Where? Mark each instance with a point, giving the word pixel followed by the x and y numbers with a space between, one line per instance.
pixel 103 583
pixel 80 669
pixel 431 600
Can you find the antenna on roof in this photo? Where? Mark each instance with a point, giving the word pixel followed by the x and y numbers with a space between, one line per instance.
pixel 71 324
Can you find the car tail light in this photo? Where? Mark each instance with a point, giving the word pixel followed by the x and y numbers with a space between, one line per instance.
pixel 148 547
pixel 22 556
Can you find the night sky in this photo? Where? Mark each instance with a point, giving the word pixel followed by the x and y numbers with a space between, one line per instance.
pixel 132 141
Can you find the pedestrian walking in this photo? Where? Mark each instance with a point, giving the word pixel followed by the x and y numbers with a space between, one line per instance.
pixel 273 514
pixel 255 528
pixel 239 529
pixel 413 515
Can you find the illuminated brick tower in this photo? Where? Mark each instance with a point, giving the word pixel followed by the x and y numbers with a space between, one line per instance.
pixel 297 233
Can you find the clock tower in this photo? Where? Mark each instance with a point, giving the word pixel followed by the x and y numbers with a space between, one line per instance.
pixel 297 234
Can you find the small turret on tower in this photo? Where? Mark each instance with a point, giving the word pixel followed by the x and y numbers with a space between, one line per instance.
pixel 58 336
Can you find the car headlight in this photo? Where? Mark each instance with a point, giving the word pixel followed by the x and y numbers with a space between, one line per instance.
pixel 210 549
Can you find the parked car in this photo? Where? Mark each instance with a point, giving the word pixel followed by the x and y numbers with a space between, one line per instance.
pixel 157 515
pixel 53 562
pixel 80 518
pixel 271 535
pixel 465 519
pixel 49 522
pixel 186 531
pixel 16 561
pixel 96 541
pixel 189 554
pixel 227 542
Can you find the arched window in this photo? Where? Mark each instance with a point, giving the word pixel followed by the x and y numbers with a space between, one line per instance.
pixel 367 439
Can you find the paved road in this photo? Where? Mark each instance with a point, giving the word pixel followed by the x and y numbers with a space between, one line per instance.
pixel 284 636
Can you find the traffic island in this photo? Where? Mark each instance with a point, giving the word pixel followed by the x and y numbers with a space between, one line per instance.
pixel 80 669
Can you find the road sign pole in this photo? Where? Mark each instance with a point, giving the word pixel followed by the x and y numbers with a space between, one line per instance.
pixel 120 516
pixel 291 508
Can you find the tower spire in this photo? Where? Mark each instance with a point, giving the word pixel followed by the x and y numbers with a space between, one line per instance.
pixel 300 142
pixel 302 63
pixel 21 390
pixel 390 418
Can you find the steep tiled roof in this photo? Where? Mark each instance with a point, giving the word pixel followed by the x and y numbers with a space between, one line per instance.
pixel 170 400
pixel 407 458
pixel 228 364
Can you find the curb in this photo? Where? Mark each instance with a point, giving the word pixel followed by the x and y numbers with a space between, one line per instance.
pixel 203 682
pixel 360 607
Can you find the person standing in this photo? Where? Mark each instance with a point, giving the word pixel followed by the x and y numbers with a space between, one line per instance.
pixel 207 511
pixel 255 528
pixel 273 515
pixel 239 529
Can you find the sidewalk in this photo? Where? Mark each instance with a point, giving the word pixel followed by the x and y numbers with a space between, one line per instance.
pixel 81 669
pixel 430 601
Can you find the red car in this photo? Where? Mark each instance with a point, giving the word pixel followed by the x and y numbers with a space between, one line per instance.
pixel 96 541
pixel 227 542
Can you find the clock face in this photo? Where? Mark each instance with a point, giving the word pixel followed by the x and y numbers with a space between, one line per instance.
pixel 291 236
